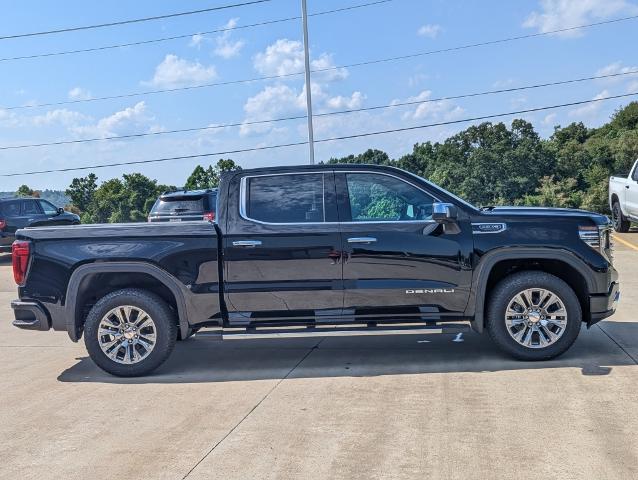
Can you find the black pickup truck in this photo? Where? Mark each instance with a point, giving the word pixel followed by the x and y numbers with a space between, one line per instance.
pixel 320 250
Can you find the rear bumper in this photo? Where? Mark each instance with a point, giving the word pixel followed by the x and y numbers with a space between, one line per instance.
pixel 603 306
pixel 30 316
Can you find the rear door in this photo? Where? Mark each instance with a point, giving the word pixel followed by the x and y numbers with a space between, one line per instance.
pixel 631 197
pixel 281 248
pixel 397 260
pixel 32 214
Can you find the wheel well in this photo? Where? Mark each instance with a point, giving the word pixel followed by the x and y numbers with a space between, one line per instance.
pixel 562 270
pixel 614 198
pixel 96 285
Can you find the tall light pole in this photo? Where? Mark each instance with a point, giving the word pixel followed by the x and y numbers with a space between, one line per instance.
pixel 311 139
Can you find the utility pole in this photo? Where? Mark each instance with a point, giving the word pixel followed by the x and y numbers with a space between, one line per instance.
pixel 311 139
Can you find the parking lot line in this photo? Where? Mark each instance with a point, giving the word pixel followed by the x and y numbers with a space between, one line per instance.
pixel 626 243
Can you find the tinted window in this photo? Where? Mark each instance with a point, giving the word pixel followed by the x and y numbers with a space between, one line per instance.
pixel 11 209
pixel 179 205
pixel 376 198
pixel 47 207
pixel 29 207
pixel 286 198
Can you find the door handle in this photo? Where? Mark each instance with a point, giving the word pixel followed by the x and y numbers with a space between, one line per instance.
pixel 246 243
pixel 362 240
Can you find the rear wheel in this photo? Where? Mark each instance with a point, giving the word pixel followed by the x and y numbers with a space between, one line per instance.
pixel 130 332
pixel 621 224
pixel 533 315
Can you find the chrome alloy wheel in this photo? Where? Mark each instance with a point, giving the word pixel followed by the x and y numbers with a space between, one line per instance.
pixel 127 334
pixel 536 318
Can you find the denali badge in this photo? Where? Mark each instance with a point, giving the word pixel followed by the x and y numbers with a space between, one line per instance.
pixel 431 290
pixel 488 227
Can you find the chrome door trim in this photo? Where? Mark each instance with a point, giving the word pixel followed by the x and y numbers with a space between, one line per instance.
pixel 242 199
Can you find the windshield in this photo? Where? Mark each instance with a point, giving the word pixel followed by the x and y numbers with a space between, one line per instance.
pixel 179 205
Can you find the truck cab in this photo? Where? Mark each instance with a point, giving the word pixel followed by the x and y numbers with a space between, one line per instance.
pixel 623 199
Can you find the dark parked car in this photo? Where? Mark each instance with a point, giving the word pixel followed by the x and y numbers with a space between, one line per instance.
pixel 185 205
pixel 320 250
pixel 18 213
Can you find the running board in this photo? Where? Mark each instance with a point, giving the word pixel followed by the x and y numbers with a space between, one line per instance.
pixel 234 333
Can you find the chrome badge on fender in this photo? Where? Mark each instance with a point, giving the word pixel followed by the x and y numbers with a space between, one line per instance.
pixel 431 290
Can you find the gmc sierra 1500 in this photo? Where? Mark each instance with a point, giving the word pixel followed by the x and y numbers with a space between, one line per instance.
pixel 318 250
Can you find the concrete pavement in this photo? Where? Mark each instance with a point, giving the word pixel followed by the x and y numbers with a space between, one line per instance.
pixel 367 407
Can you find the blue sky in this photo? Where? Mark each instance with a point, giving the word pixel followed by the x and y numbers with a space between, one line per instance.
pixel 391 29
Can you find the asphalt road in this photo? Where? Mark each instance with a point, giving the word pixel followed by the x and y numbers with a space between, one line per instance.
pixel 432 406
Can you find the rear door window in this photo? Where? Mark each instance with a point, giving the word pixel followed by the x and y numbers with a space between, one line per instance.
pixel 296 198
pixel 30 207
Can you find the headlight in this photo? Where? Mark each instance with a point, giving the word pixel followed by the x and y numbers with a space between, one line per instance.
pixel 597 237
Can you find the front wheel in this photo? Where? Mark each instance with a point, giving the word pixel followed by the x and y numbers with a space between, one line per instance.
pixel 621 224
pixel 130 332
pixel 533 315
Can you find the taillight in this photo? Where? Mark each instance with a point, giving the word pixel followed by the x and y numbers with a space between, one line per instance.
pixel 210 216
pixel 3 224
pixel 20 258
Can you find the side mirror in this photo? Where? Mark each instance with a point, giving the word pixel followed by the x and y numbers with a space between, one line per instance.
pixel 444 213
pixel 60 210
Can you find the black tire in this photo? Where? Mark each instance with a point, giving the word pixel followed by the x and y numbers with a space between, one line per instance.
pixel 621 224
pixel 507 289
pixel 165 331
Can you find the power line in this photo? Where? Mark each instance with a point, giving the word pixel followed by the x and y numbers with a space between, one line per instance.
pixel 324 140
pixel 326 114
pixel 134 20
pixel 189 35
pixel 479 44
pixel 319 70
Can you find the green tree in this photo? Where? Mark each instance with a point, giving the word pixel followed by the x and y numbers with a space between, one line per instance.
pixel 81 192
pixel 209 178
pixel 25 191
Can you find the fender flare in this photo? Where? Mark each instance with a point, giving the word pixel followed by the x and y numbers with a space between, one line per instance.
pixel 476 305
pixel 73 320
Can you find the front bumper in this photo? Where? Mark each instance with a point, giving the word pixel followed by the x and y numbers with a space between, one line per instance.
pixel 30 316
pixel 603 306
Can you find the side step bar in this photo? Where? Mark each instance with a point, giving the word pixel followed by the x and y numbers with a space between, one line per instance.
pixel 331 331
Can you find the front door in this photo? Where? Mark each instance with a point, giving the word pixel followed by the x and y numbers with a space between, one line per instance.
pixel 398 262
pixel 282 249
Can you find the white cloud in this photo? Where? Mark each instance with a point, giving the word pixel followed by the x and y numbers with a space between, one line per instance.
pixel 130 120
pixel 79 93
pixel 272 102
pixel 285 57
pixel 60 116
pixel 590 109
pixel 558 14
pixel 197 40
pixel 8 118
pixel 340 102
pixel 442 110
pixel 174 72
pixel 617 68
pixel 429 30
pixel 226 48
pixel 549 120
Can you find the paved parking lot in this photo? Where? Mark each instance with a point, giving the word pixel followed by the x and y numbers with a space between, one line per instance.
pixel 433 406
